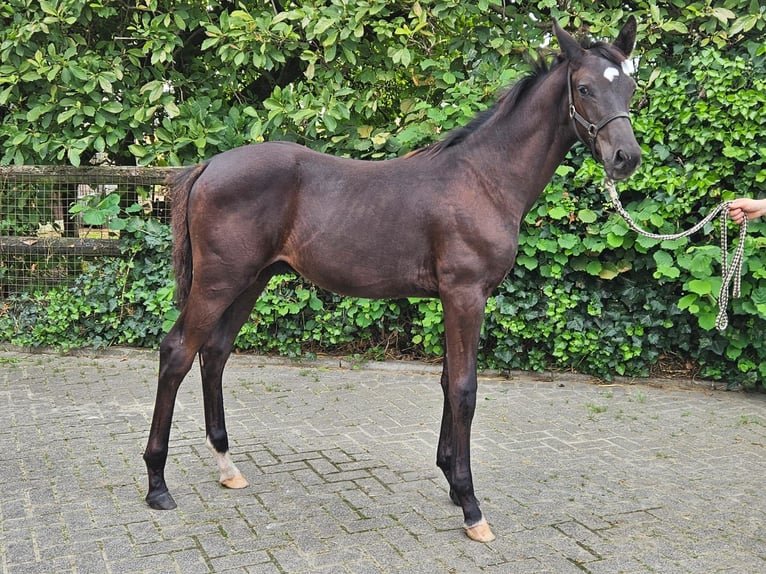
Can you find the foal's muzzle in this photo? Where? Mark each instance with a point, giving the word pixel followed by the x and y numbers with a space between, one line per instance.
pixel 623 163
pixel 618 150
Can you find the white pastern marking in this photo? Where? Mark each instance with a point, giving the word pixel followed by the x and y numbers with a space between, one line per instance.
pixel 628 67
pixel 225 465
pixel 611 73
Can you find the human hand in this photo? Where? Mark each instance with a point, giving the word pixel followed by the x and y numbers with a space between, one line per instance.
pixel 745 206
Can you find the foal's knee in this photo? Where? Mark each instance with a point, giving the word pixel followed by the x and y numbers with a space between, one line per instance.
pixel 463 401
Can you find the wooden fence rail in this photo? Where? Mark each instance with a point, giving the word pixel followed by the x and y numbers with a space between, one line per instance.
pixel 71 174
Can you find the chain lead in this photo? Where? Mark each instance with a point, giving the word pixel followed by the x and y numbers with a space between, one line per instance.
pixel 729 272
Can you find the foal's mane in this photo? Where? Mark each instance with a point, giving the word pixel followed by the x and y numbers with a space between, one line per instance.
pixel 508 101
pixel 504 105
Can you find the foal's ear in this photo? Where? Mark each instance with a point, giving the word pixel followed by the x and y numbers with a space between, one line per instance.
pixel 626 39
pixel 569 46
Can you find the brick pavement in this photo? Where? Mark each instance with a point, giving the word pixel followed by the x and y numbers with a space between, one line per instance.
pixel 574 477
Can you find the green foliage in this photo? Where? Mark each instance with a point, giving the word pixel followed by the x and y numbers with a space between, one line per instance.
pixel 115 301
pixel 97 210
pixel 23 209
pixel 167 82
pixel 293 317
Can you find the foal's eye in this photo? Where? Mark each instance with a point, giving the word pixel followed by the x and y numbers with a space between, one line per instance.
pixel 584 91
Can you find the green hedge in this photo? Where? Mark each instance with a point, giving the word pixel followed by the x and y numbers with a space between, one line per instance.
pixel 371 80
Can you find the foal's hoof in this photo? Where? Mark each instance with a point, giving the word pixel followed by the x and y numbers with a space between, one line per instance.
pixel 160 500
pixel 235 482
pixel 480 532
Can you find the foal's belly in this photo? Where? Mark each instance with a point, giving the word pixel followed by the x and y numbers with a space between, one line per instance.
pixel 361 277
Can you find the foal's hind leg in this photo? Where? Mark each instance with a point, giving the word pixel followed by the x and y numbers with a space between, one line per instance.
pixel 177 351
pixel 213 356
pixel 176 359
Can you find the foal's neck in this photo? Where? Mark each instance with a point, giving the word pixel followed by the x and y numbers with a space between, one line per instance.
pixel 521 151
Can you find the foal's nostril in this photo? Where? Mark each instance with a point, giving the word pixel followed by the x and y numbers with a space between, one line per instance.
pixel 624 163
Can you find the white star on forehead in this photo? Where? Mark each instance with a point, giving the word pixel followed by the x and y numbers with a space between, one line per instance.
pixel 611 73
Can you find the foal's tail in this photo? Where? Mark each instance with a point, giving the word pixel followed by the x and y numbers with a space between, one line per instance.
pixel 180 188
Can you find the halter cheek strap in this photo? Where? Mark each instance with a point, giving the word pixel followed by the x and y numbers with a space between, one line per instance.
pixel 590 128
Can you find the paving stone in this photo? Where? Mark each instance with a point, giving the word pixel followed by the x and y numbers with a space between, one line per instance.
pixel 573 476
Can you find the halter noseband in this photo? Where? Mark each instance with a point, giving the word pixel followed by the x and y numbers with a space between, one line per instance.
pixel 591 128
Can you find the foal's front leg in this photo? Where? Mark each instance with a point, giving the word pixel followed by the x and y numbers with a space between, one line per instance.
pixel 463 316
pixel 444 451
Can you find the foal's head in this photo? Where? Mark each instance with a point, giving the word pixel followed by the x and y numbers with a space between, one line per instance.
pixel 600 90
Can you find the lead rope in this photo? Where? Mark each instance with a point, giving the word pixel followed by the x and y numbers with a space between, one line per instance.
pixel 729 272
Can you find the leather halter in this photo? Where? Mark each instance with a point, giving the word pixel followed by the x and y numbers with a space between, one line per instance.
pixel 590 128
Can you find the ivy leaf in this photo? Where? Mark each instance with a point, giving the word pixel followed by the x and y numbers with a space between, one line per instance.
pixel 587 216
pixel 614 240
pixel 663 259
pixel 689 302
pixel 527 261
pixel 608 271
pixel 700 287
pixel 707 321
pixel 594 267
pixel 568 241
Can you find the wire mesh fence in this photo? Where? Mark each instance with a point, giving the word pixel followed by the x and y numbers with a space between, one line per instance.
pixel 42 243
